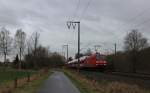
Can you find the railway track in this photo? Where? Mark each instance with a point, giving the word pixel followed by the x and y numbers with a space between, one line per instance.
pixel 142 80
pixel 124 74
pixel 131 75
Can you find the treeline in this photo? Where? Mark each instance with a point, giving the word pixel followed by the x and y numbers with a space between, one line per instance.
pixel 28 52
pixel 42 59
pixel 135 57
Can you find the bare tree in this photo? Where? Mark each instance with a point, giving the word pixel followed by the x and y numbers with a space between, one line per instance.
pixel 35 41
pixel 20 43
pixel 5 42
pixel 134 42
pixel 29 46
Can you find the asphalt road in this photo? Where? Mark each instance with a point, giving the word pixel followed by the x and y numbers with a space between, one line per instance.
pixel 58 83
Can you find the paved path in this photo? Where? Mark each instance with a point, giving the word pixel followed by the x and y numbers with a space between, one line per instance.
pixel 58 83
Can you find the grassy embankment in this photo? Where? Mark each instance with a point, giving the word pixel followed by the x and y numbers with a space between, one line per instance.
pixel 86 85
pixel 32 87
pixel 8 76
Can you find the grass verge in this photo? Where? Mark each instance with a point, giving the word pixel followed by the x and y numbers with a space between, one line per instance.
pixel 32 87
pixel 79 82
pixel 86 85
pixel 10 74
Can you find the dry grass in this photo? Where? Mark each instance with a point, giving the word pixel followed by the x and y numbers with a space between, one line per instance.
pixel 117 87
pixel 10 86
pixel 33 87
pixel 91 86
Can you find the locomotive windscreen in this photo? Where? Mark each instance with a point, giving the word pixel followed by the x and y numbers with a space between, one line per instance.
pixel 98 56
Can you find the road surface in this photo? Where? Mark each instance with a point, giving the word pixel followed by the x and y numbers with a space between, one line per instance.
pixel 58 83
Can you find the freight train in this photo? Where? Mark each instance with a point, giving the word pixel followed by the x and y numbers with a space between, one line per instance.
pixel 94 61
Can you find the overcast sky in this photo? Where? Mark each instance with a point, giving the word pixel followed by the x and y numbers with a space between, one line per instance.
pixel 103 22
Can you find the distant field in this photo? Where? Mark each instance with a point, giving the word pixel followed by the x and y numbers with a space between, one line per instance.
pixel 11 74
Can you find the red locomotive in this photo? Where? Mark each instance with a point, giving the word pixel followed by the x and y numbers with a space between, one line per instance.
pixel 93 61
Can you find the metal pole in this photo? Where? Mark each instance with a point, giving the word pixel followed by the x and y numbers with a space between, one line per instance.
pixel 73 24
pixel 115 48
pixel 95 48
pixel 63 51
pixel 67 53
pixel 78 45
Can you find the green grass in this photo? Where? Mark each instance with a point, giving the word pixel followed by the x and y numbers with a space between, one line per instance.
pixel 33 87
pixel 95 75
pixel 86 85
pixel 79 83
pixel 10 74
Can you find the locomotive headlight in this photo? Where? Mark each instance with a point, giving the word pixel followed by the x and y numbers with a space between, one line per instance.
pixel 98 62
pixel 104 62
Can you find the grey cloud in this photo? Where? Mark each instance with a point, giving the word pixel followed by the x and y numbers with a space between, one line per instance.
pixel 104 22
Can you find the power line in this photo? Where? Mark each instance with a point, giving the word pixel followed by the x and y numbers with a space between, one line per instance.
pixel 133 19
pixel 88 4
pixel 145 21
pixel 140 14
pixel 85 9
pixel 76 10
pixel 83 12
pixel 139 24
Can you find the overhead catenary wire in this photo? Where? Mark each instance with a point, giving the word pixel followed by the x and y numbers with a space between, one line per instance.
pixel 139 24
pixel 75 13
pixel 133 19
pixel 85 9
pixel 76 9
